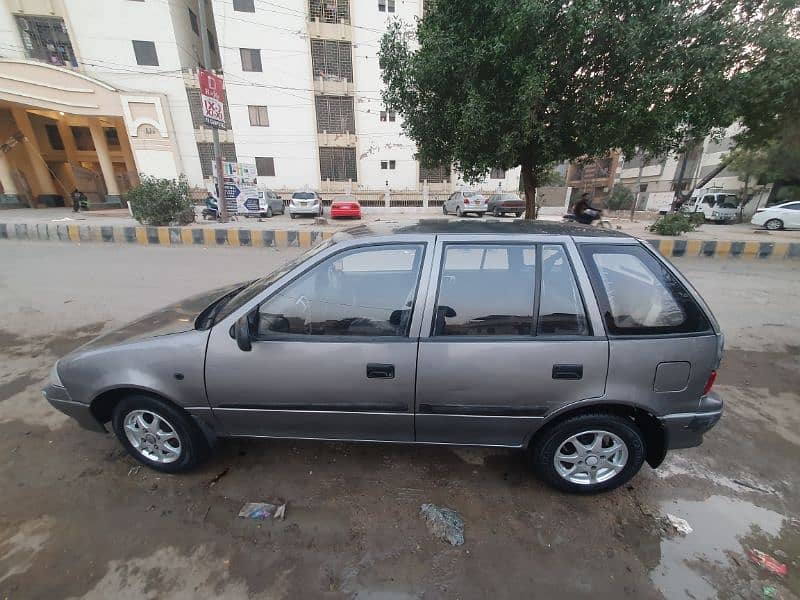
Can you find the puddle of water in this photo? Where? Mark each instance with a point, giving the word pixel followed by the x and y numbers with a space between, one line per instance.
pixel 719 525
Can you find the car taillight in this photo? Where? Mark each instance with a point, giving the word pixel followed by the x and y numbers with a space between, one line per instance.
pixel 710 383
pixel 466 200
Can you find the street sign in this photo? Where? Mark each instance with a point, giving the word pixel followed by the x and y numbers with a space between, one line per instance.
pixel 211 87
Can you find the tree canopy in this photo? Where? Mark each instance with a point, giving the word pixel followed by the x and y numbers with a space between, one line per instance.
pixel 501 83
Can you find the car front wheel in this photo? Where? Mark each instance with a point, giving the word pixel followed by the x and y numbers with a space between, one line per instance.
pixel 589 454
pixel 158 434
pixel 774 224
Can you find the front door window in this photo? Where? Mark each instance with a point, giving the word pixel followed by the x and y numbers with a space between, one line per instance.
pixel 361 292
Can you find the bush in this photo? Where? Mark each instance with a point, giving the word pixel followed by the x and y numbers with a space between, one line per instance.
pixel 621 198
pixel 675 224
pixel 161 201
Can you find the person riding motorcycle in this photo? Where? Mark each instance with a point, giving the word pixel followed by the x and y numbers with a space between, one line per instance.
pixel 584 212
pixel 212 207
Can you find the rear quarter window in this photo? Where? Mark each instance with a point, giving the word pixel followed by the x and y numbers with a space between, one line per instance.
pixel 638 295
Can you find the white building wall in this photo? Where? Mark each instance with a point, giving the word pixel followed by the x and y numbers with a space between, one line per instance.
pixel 284 86
pixel 379 140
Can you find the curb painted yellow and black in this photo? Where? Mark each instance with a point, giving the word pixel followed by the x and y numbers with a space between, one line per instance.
pixel 163 236
pixel 289 238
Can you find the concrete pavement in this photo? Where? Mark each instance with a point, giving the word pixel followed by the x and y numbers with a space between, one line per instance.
pixel 80 519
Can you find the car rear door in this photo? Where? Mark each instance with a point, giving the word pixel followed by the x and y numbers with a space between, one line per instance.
pixel 334 350
pixel 791 214
pixel 508 336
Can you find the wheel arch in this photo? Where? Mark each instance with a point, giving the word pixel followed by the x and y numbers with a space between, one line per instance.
pixel 655 437
pixel 103 404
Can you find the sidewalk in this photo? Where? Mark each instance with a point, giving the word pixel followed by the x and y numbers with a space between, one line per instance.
pixel 59 224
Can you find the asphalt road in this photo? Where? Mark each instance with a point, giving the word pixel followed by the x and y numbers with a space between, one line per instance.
pixel 78 518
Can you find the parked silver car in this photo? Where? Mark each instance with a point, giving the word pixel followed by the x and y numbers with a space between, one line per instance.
pixel 581 346
pixel 463 202
pixel 267 204
pixel 305 203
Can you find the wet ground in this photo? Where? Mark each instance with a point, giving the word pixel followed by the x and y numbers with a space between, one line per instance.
pixel 80 519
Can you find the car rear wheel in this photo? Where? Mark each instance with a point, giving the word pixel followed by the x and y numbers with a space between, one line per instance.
pixel 518 214
pixel 158 434
pixel 292 216
pixel 589 454
pixel 774 224
pixel 459 212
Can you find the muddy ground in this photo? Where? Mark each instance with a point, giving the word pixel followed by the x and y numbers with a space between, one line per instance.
pixel 78 518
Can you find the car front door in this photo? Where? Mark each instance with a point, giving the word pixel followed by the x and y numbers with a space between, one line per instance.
pixel 792 215
pixel 506 339
pixel 333 352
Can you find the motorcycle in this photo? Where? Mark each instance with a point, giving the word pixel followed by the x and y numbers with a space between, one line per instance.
pixel 597 219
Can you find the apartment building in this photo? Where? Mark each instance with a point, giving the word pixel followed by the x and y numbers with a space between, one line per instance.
pixel 95 94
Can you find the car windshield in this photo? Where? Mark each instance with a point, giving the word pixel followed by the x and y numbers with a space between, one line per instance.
pixel 471 194
pixel 726 201
pixel 259 285
pixel 303 195
pixel 509 197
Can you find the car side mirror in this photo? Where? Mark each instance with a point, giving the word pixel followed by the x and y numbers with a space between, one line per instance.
pixel 241 330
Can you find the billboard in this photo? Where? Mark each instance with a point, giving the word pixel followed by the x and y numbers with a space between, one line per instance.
pixel 211 87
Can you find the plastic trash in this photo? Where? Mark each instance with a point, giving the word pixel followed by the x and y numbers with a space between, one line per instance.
pixel 770 591
pixel 444 523
pixel 262 511
pixel 681 525
pixel 765 561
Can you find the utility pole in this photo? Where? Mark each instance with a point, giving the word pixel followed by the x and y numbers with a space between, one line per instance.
pixel 223 204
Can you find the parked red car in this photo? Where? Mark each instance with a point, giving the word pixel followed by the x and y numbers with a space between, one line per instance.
pixel 345 208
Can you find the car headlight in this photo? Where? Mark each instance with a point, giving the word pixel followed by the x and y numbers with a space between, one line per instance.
pixel 54 378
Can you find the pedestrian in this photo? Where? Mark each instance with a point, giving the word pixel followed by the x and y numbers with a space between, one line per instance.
pixel 83 201
pixel 76 200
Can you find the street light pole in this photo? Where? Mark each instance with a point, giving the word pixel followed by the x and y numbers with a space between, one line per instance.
pixel 223 205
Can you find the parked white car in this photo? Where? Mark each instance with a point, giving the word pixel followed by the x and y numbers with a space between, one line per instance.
pixel 782 216
pixel 463 202
pixel 716 206
pixel 305 203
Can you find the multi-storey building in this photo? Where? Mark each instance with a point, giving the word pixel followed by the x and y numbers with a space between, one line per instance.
pixel 95 94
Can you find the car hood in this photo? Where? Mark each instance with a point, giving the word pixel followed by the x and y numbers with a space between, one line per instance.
pixel 174 318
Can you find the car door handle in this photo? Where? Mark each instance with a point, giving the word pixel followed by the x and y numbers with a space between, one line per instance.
pixel 567 371
pixel 379 371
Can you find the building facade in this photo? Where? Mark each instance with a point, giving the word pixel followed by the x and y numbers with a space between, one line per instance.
pixel 94 95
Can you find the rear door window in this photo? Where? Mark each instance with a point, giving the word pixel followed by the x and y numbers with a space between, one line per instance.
pixel 561 306
pixel 486 290
pixel 638 294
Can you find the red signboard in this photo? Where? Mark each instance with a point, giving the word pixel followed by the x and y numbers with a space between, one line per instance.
pixel 211 98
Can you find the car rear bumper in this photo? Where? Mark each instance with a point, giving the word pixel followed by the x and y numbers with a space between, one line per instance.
pixel 304 210
pixel 685 430
pixel 475 209
pixel 82 413
pixel 345 212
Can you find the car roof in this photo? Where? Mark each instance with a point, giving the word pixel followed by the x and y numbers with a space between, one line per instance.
pixel 470 227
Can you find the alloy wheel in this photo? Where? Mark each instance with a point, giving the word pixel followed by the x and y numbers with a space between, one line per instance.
pixel 590 457
pixel 152 436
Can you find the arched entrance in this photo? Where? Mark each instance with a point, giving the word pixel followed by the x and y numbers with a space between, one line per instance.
pixel 59 131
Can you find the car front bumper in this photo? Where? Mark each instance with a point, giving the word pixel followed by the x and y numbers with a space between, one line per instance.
pixel 82 413
pixel 759 219
pixel 685 430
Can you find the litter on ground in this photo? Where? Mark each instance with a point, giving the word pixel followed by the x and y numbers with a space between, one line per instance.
pixel 765 561
pixel 681 525
pixel 444 523
pixel 262 511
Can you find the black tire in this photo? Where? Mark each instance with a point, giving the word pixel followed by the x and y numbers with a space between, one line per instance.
pixel 459 212
pixel 518 214
pixel 193 444
pixel 496 212
pixel 292 216
pixel 777 225
pixel 547 443
pixel 269 212
pixel 444 209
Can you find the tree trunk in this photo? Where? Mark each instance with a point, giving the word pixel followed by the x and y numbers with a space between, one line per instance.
pixel 681 175
pixel 638 188
pixel 529 185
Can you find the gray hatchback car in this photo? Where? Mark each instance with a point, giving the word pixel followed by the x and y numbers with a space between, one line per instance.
pixel 581 346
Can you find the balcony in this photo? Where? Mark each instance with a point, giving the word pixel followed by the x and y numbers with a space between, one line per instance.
pixel 329 19
pixel 337 140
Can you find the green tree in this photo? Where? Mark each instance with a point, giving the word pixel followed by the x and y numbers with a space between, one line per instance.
pixel 621 197
pixel 501 83
pixel 161 201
